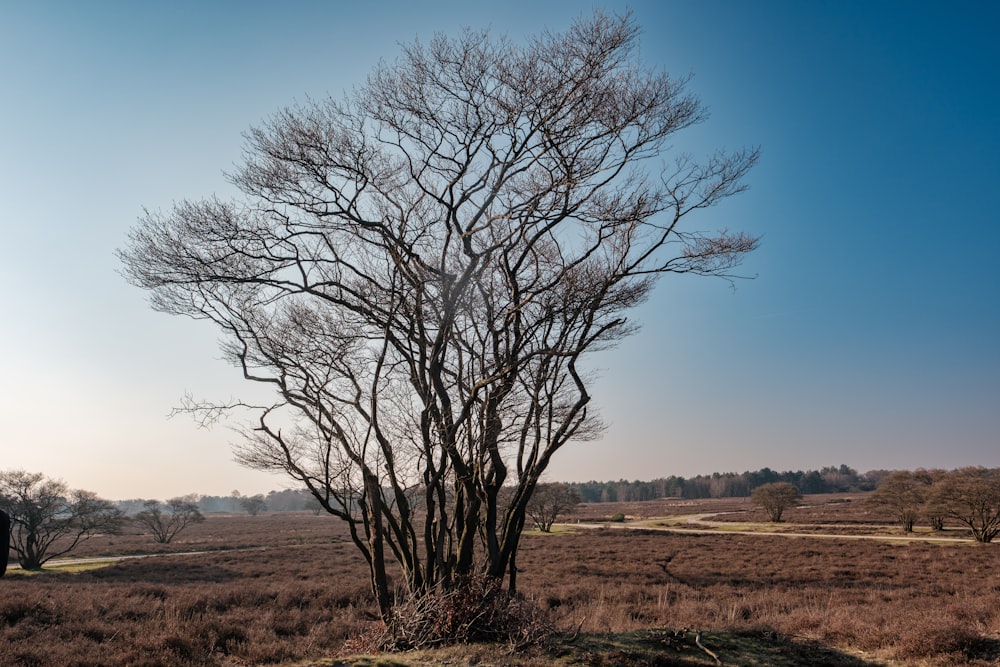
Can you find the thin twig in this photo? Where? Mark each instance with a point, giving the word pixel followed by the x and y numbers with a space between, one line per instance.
pixel 697 640
pixel 576 634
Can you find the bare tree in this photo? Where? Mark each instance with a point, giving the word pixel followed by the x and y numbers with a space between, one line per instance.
pixel 420 269
pixel 904 494
pixel 775 498
pixel 548 502
pixel 47 519
pixel 932 510
pixel 972 497
pixel 166 520
pixel 253 505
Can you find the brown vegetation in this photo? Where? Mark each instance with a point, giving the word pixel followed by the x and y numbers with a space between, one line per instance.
pixel 306 594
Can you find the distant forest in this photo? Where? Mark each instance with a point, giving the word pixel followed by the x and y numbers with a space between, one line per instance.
pixel 841 479
pixel 286 500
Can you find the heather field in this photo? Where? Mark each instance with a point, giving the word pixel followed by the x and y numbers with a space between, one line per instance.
pixel 288 589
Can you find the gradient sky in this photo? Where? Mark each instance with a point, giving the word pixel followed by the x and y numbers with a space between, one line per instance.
pixel 868 337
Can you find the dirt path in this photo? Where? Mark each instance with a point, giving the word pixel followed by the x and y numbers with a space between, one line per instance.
pixel 63 562
pixel 689 523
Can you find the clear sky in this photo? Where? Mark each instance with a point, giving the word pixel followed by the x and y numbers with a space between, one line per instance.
pixel 868 337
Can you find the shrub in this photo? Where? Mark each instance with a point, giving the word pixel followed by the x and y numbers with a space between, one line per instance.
pixel 165 520
pixel 775 498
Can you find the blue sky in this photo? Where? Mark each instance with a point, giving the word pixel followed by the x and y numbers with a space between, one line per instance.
pixel 868 336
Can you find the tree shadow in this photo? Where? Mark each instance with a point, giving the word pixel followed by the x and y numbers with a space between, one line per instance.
pixel 768 647
pixel 666 648
pixel 984 648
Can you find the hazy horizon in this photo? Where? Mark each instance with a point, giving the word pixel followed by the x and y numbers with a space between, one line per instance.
pixel 867 336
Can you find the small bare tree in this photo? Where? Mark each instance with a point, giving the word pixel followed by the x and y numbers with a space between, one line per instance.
pixel 253 505
pixel 548 502
pixel 420 270
pixel 904 494
pixel 48 519
pixel 775 498
pixel 972 497
pixel 166 520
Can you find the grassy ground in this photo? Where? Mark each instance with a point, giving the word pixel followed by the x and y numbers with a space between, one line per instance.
pixel 61 568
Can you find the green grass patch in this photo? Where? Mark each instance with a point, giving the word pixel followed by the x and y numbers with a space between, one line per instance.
pixel 61 568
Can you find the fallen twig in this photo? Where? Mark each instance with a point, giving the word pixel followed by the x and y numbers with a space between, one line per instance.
pixel 697 640
pixel 577 632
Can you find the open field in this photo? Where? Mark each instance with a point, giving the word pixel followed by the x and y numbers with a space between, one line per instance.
pixel 759 599
pixel 843 514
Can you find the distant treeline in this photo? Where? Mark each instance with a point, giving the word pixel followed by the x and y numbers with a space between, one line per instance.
pixel 286 500
pixel 841 479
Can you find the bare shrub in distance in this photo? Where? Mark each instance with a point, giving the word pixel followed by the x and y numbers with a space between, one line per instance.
pixel 165 520
pixel 775 498
pixel 253 505
pixel 548 502
pixel 420 271
pixel 904 494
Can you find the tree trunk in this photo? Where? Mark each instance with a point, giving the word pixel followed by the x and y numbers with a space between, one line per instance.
pixel 380 584
pixel 512 580
pixel 4 541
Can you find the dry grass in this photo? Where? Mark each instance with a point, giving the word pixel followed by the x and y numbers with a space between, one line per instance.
pixel 306 594
pixel 221 531
pixel 300 597
pixel 903 602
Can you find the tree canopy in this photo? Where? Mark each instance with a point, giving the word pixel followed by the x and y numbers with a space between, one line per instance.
pixel 419 271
